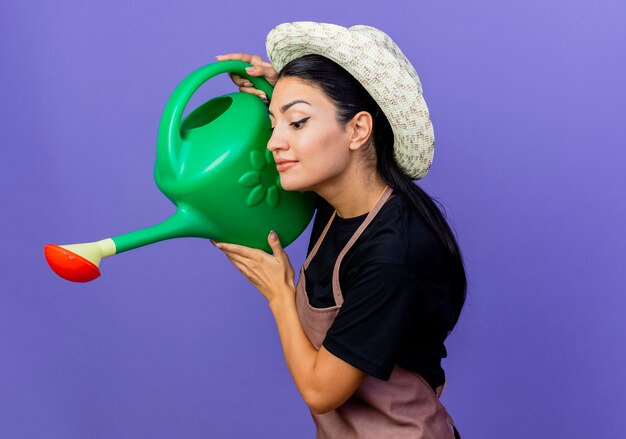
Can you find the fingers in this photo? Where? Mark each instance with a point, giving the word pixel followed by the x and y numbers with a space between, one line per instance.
pixel 255 60
pixel 239 262
pixel 275 244
pixel 263 270
pixel 246 252
pixel 259 67
pixel 245 57
pixel 279 252
pixel 265 70
pixel 246 86
pixel 262 68
pixel 237 254
pixel 238 80
pixel 247 260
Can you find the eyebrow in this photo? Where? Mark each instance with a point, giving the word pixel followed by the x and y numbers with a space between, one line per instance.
pixel 290 104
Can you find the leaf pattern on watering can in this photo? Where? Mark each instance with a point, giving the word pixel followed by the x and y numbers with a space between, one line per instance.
pixel 250 179
pixel 273 196
pixel 257 160
pixel 256 196
pixel 254 179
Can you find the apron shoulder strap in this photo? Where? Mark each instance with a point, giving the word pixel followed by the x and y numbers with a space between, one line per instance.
pixel 370 217
pixel 319 242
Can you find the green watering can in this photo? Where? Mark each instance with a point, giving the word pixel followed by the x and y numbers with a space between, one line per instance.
pixel 216 168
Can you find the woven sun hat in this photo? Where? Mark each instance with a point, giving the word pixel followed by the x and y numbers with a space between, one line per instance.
pixel 374 60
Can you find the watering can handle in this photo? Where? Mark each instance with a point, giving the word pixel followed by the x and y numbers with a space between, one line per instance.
pixel 172 115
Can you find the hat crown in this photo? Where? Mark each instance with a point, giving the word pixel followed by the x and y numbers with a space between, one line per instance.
pixel 385 41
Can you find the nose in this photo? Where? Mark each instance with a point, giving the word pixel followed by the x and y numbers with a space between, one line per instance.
pixel 277 141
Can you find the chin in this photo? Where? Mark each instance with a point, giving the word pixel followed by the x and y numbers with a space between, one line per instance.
pixel 291 184
pixel 292 187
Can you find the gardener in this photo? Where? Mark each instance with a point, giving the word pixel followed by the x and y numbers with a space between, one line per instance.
pixel 384 283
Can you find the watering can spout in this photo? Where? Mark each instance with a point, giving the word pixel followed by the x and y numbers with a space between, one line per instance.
pixel 81 262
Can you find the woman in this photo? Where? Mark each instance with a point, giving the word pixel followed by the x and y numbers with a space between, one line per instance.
pixel 383 285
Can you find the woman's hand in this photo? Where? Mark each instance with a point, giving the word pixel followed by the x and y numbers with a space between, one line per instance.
pixel 273 275
pixel 259 67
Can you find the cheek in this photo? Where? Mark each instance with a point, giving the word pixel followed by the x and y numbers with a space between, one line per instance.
pixel 337 151
pixel 321 157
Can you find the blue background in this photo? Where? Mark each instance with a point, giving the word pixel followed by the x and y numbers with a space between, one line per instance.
pixel 527 100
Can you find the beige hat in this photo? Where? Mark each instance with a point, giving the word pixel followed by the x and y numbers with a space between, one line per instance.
pixel 379 65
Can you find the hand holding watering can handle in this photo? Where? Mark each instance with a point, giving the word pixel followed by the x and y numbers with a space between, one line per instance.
pixel 173 113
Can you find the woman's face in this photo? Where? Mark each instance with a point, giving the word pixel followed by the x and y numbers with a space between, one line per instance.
pixel 310 147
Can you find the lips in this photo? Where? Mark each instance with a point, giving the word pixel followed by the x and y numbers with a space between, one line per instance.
pixel 284 164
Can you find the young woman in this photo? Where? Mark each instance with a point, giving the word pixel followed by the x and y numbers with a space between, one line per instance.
pixel 383 285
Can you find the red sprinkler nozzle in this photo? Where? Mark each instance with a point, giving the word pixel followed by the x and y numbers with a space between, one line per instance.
pixel 69 265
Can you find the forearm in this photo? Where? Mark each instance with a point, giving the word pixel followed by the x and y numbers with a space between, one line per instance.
pixel 300 355
pixel 325 381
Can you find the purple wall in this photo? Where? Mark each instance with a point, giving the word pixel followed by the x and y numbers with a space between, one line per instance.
pixel 527 99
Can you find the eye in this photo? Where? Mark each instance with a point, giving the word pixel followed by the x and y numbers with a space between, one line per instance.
pixel 271 122
pixel 298 124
